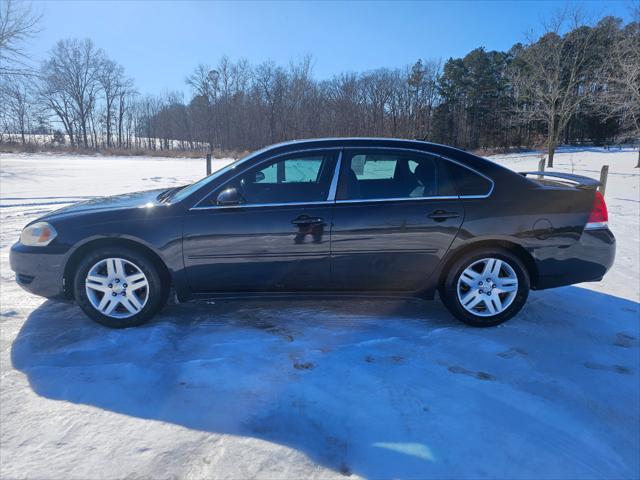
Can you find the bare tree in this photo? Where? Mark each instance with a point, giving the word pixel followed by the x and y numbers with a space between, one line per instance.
pixel 111 79
pixel 378 88
pixel 552 74
pixel 345 100
pixel 620 97
pixel 18 23
pixel 422 85
pixel 16 97
pixel 205 83
pixel 270 87
pixel 55 98
pixel 70 79
pixel 125 98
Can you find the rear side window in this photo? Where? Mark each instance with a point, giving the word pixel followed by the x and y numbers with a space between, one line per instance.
pixel 373 167
pixel 468 182
pixel 371 175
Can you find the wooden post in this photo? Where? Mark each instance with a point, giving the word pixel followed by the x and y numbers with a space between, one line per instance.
pixel 604 173
pixel 541 166
pixel 208 164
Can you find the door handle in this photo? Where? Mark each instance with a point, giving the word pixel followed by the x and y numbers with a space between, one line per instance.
pixel 442 215
pixel 307 220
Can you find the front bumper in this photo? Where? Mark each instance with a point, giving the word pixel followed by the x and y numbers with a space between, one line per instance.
pixel 37 271
pixel 587 260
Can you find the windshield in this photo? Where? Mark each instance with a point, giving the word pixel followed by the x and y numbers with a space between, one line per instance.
pixel 184 192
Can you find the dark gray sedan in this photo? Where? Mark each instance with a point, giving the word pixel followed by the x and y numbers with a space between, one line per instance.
pixel 358 217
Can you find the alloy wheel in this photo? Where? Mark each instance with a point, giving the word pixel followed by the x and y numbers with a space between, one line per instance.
pixel 487 287
pixel 117 288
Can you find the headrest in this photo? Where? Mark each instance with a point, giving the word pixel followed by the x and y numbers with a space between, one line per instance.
pixel 426 171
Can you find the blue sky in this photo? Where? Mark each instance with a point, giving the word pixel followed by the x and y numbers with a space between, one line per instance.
pixel 160 42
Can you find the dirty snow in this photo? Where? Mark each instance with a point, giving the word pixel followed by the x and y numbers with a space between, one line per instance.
pixel 317 389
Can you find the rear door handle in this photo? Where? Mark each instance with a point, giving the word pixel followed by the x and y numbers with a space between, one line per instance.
pixel 307 220
pixel 442 215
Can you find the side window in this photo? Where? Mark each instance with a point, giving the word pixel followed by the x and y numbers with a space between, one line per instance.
pixel 469 182
pixel 446 184
pixel 375 176
pixel 372 167
pixel 294 179
pixel 292 170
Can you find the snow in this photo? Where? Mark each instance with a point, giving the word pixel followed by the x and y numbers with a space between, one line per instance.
pixel 317 389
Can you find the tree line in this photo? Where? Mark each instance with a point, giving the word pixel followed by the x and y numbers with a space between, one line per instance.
pixel 575 83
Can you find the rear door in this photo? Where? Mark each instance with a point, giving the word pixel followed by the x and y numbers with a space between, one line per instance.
pixel 275 239
pixel 396 214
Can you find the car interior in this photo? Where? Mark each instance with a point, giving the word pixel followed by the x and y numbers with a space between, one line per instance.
pixel 383 176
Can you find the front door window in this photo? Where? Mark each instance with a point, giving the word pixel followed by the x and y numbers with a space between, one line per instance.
pixel 300 178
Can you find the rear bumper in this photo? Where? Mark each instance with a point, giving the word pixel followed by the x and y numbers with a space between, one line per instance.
pixel 38 272
pixel 587 260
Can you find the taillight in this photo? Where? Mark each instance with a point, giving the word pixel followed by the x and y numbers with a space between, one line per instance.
pixel 598 217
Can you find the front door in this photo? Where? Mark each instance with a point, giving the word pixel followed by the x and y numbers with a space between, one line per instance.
pixel 396 215
pixel 275 238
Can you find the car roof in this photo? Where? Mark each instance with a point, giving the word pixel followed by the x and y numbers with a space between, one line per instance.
pixel 361 141
pixel 378 142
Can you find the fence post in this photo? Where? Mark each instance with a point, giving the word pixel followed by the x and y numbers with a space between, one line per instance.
pixel 604 174
pixel 208 164
pixel 541 163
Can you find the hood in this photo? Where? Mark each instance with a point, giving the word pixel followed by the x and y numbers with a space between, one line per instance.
pixel 116 202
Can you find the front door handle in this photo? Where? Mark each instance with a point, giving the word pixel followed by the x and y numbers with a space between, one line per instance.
pixel 442 215
pixel 303 220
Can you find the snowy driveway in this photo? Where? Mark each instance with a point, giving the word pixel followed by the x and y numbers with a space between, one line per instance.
pixel 317 389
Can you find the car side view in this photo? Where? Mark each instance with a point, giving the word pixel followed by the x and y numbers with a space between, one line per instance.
pixel 327 217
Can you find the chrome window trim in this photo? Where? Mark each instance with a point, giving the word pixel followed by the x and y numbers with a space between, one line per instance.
pixel 334 182
pixel 478 196
pixel 328 202
pixel 197 206
pixel 260 205
pixel 398 199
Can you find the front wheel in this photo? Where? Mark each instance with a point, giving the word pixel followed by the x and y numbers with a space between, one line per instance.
pixel 486 287
pixel 118 287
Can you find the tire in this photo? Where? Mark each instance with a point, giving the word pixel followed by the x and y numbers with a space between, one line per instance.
pixel 124 305
pixel 482 309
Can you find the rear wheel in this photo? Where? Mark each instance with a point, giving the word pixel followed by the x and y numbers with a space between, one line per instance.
pixel 486 287
pixel 119 287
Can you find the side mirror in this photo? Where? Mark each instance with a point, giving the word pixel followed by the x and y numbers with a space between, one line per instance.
pixel 259 177
pixel 228 197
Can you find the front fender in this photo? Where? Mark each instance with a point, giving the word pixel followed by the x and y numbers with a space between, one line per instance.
pixel 158 232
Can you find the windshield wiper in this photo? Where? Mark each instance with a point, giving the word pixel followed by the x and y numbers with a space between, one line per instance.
pixel 167 194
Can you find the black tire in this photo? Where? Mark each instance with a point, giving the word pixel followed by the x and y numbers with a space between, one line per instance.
pixel 449 295
pixel 157 290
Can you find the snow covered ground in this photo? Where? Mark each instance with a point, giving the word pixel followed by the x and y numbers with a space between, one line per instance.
pixel 317 389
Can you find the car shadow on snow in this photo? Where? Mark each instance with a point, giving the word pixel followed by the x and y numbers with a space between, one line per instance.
pixel 375 388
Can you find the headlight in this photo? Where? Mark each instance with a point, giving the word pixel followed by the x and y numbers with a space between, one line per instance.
pixel 38 235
